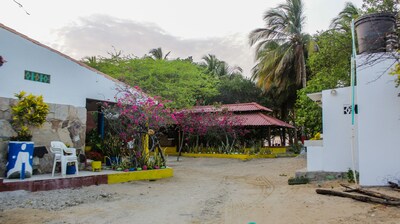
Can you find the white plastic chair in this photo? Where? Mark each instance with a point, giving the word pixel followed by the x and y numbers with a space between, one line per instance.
pixel 63 155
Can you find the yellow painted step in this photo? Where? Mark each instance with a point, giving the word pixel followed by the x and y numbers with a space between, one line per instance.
pixel 122 177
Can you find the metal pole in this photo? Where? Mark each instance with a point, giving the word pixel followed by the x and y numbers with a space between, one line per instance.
pixel 353 74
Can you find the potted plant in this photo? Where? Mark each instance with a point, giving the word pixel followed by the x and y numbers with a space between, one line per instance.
pixel 93 140
pixel 30 111
pixel 112 149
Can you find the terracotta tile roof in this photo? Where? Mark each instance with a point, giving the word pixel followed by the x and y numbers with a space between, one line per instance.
pixel 260 119
pixel 254 114
pixel 238 107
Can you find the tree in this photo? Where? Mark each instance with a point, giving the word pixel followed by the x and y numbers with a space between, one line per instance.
pixel 218 129
pixel 157 53
pixel 350 11
pixel 131 119
pixel 372 6
pixel 329 68
pixel 180 81
pixel 281 51
pixel 343 20
pixel 218 68
pixel 281 45
pixel 237 89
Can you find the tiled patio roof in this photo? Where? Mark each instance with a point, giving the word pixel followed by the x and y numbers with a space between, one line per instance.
pixel 260 119
pixel 238 107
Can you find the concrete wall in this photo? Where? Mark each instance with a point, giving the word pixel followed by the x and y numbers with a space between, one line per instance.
pixel 71 83
pixel 64 123
pixel 337 155
pixel 379 121
pixel 315 153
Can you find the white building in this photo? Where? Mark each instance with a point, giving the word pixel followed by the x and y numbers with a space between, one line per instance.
pixel 70 87
pixel 377 125
pixel 41 70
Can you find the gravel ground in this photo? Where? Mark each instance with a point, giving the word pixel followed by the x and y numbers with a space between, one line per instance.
pixel 53 200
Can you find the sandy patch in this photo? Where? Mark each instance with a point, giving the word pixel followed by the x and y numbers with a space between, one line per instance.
pixel 202 191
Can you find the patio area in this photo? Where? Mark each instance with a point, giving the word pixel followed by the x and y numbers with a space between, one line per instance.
pixel 45 182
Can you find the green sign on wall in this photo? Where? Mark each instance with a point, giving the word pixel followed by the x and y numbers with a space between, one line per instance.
pixel 37 77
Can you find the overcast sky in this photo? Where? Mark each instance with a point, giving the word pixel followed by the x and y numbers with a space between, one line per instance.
pixel 82 28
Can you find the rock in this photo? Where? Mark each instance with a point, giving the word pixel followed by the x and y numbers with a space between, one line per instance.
pixel 6 129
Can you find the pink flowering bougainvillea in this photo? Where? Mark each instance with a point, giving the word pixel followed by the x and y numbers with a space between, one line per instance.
pixel 218 129
pixel 133 115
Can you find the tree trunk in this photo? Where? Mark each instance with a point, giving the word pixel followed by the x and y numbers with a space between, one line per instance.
pixel 284 115
pixel 269 136
pixel 358 197
pixel 370 193
pixel 302 62
pixel 181 144
pixel 296 140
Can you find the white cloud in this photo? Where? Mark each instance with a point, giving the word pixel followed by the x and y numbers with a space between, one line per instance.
pixel 96 35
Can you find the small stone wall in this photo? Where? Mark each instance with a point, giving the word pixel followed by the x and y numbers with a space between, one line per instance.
pixel 63 123
pixel 321 175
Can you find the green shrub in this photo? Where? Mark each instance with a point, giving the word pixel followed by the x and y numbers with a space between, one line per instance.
pixel 350 175
pixel 298 180
pixel 29 112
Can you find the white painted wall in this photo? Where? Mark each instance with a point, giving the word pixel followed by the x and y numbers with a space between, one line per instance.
pixel 315 152
pixel 70 83
pixel 337 155
pixel 379 123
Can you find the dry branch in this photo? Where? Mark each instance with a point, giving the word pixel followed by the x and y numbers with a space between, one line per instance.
pixel 394 186
pixel 358 197
pixel 370 193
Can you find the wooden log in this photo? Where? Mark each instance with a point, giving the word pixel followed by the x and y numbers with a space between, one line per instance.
pixel 369 193
pixel 394 186
pixel 358 197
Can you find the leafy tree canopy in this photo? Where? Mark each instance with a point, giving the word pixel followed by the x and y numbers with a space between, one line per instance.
pixel 238 89
pixel 372 6
pixel 330 68
pixel 180 81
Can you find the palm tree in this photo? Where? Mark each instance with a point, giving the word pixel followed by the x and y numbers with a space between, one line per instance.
pixel 211 63
pixel 219 68
pixel 157 54
pixel 343 20
pixel 281 46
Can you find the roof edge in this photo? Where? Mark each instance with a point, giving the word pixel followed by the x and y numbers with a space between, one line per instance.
pixel 60 53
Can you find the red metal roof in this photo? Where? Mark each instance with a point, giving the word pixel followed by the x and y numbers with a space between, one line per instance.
pixel 260 119
pixel 254 117
pixel 238 107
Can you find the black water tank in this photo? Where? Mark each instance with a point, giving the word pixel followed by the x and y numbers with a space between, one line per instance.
pixel 372 30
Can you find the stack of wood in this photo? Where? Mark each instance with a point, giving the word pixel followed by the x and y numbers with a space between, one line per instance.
pixel 365 195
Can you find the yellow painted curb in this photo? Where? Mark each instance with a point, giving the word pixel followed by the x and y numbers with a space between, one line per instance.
pixel 139 175
pixel 277 150
pixel 205 155
pixel 233 156
pixel 266 156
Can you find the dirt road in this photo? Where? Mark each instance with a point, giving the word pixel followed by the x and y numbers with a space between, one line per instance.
pixel 208 191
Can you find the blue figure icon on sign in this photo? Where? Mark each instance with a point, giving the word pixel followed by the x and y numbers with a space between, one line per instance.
pixel 20 155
